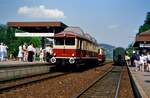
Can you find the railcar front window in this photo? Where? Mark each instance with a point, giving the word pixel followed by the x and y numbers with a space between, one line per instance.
pixel 59 41
pixel 70 41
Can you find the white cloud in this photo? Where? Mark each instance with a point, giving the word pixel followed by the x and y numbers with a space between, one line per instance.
pixel 40 12
pixel 113 26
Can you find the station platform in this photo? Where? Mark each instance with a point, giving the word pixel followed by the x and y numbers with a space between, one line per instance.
pixel 5 64
pixel 141 81
pixel 14 69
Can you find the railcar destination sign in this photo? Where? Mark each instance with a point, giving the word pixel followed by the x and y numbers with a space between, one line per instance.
pixel 145 45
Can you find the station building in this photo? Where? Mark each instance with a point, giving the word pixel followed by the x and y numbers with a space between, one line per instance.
pixel 142 42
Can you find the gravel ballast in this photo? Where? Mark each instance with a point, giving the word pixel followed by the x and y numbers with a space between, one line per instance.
pixel 59 87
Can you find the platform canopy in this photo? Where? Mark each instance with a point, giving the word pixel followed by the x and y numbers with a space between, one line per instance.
pixel 43 29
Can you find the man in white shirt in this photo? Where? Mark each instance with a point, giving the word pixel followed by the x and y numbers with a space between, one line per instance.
pixel 142 60
pixel 30 53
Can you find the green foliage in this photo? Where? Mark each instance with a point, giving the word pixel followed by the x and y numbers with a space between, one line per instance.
pixel 146 25
pixel 7 36
pixel 147 21
pixel 129 50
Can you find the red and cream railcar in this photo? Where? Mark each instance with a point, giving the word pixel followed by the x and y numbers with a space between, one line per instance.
pixel 73 46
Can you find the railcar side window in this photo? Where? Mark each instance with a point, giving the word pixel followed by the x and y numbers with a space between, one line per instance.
pixel 70 41
pixel 59 41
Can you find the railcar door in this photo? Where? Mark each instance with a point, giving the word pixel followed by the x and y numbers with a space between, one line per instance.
pixel 70 48
pixel 80 49
pixel 59 46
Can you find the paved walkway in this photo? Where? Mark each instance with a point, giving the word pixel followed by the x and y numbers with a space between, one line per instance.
pixel 142 80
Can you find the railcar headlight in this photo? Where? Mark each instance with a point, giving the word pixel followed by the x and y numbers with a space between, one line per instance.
pixel 53 60
pixel 73 54
pixel 54 54
pixel 71 60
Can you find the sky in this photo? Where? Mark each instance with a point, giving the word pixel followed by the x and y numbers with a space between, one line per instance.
pixel 113 22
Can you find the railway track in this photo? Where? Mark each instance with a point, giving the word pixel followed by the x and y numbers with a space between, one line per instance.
pixel 15 83
pixel 106 86
pixel 115 83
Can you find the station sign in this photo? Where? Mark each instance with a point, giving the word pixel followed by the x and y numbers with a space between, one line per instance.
pixel 145 45
pixel 27 34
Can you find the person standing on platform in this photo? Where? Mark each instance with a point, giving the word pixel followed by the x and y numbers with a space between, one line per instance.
pixel 127 59
pixel 34 55
pixel 1 52
pixel 20 53
pixel 25 52
pixel 30 53
pixel 145 61
pixel 148 61
pixel 41 55
pixel 142 60
pixel 49 52
pixel 5 52
pixel 136 58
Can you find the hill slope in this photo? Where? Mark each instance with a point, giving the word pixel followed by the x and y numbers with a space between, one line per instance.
pixel 108 50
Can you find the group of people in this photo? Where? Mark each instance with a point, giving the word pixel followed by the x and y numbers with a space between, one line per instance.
pixel 3 52
pixel 26 53
pixel 46 54
pixel 141 61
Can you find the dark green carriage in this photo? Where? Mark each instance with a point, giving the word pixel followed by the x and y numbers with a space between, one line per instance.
pixel 119 56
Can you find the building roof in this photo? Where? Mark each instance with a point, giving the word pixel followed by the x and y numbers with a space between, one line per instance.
pixel 145 33
pixel 144 36
pixel 36 24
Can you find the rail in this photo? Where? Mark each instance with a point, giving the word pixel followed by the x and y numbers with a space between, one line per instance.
pixel 118 87
pixel 94 82
pixel 5 86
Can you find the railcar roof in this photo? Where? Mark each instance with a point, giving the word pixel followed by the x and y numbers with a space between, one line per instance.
pixel 71 32
pixel 88 36
pixel 76 32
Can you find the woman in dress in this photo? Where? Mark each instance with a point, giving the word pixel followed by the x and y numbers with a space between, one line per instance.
pixel 20 53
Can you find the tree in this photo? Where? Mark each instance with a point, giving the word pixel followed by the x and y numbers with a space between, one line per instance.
pixel 147 21
pixel 130 50
pixel 8 37
pixel 146 25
